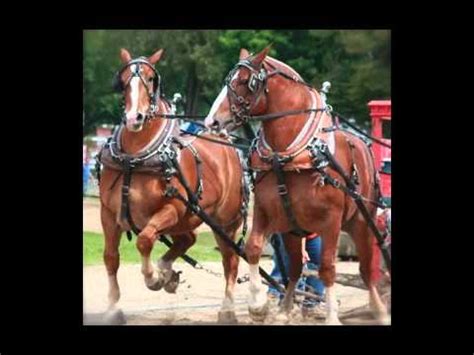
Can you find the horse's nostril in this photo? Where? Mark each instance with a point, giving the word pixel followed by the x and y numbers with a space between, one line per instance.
pixel 215 125
pixel 140 117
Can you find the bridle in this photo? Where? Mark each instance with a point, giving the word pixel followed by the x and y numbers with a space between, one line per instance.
pixel 240 107
pixel 153 94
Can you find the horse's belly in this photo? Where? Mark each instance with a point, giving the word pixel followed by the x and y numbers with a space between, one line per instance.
pixel 312 205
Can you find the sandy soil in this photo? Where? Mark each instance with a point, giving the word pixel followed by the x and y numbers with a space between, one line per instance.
pixel 199 297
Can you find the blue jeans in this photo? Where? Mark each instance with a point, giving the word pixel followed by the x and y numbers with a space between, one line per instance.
pixel 85 178
pixel 191 127
pixel 310 283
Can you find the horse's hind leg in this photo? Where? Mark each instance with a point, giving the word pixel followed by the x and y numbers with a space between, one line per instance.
pixel 181 243
pixel 111 256
pixel 363 236
pixel 230 262
pixel 165 218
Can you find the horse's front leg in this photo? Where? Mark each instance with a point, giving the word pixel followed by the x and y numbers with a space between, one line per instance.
pixel 167 217
pixel 112 233
pixel 258 305
pixel 327 272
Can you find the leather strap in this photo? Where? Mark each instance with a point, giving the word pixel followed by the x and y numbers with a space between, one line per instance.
pixel 277 164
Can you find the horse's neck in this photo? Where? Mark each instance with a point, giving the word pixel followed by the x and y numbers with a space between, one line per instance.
pixel 285 95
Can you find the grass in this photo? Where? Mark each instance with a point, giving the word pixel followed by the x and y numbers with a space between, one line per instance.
pixel 93 247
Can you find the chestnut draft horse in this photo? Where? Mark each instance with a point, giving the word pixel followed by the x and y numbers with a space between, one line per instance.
pixel 262 87
pixel 211 168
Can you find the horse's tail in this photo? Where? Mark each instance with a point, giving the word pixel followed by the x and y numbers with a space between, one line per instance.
pixel 377 189
pixel 377 192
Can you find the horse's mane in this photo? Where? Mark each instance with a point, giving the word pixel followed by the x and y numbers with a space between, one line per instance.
pixel 270 61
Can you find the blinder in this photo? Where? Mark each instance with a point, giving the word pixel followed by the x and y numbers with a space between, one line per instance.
pixel 241 107
pixel 255 79
pixel 252 82
pixel 157 89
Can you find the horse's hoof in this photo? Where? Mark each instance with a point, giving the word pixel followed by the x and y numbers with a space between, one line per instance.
pixel 155 283
pixel 258 314
pixel 383 319
pixel 333 321
pixel 172 285
pixel 115 317
pixel 226 317
pixel 282 317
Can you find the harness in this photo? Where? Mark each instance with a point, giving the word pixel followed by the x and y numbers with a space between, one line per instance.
pixel 257 85
pixel 321 157
pixel 155 160
pixel 156 91
pixel 169 167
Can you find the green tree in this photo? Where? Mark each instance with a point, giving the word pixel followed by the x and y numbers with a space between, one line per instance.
pixel 357 63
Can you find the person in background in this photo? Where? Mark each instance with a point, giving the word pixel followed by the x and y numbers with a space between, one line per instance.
pixel 85 176
pixel 311 307
pixel 191 127
pixel 312 260
pixel 178 108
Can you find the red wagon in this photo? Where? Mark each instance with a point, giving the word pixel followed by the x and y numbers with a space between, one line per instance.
pixel 381 115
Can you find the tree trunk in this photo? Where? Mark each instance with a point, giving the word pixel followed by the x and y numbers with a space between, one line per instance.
pixel 192 92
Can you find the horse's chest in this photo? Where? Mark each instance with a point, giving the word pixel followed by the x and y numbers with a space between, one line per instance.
pixel 145 196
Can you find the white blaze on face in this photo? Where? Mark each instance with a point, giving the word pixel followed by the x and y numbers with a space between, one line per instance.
pixel 134 95
pixel 217 103
pixel 215 106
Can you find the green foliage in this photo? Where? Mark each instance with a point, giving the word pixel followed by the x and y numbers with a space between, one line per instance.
pixel 357 63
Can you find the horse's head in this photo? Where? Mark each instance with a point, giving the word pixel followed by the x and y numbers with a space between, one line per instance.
pixel 139 82
pixel 242 95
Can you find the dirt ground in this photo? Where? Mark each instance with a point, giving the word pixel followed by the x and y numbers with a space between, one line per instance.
pixel 198 298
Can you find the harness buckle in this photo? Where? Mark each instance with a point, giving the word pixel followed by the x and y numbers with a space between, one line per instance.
pixel 125 190
pixel 282 189
pixel 170 191
pixel 322 181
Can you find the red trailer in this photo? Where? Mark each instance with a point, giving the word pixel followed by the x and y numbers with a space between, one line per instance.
pixel 381 115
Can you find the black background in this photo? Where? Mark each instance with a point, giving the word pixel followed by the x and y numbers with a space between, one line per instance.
pixel 41 284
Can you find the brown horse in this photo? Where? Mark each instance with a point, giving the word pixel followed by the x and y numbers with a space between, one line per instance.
pixel 260 85
pixel 153 212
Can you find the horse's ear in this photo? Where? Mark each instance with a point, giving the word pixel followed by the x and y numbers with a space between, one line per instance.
pixel 155 57
pixel 258 59
pixel 243 53
pixel 125 56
